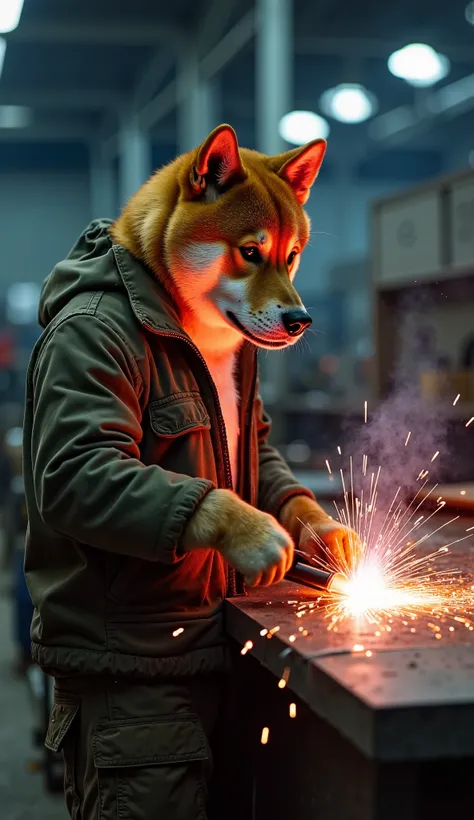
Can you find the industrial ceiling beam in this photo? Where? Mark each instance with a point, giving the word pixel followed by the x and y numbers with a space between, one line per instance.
pixel 229 46
pixel 170 96
pixel 403 123
pixel 87 100
pixel 225 50
pixel 215 21
pixel 107 32
pixel 370 47
pixel 152 77
pixel 46 133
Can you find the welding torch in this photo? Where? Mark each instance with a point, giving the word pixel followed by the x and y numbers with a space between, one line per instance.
pixel 304 573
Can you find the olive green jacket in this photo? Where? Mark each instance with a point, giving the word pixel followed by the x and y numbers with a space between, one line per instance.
pixel 123 437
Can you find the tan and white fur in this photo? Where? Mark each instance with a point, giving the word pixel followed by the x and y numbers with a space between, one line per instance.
pixel 223 228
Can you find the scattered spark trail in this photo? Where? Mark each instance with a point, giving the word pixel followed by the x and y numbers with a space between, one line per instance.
pixel 407 438
pixel 470 421
pixel 456 399
pixel 387 579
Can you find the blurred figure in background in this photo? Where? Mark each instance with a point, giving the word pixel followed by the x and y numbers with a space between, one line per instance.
pixel 15 521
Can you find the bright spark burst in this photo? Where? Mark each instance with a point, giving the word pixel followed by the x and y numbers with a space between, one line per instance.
pixel 386 576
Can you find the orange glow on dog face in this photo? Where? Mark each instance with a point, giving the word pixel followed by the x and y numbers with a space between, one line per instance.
pixel 193 221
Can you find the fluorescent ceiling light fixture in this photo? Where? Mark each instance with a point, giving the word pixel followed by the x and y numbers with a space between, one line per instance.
pixel 419 64
pixel 349 103
pixel 300 127
pixel 10 13
pixel 15 116
pixel 3 48
pixel 469 13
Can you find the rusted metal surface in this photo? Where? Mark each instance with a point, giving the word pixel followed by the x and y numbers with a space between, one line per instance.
pixel 412 698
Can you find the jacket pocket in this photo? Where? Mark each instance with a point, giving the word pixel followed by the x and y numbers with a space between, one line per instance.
pixel 177 414
pixel 61 736
pixel 60 721
pixel 153 767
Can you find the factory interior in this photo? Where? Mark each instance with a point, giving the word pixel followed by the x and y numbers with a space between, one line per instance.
pixel 357 707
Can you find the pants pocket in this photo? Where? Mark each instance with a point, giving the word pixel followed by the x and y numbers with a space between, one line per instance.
pixel 151 768
pixel 61 736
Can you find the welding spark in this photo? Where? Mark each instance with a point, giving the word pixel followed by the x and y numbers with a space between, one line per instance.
pixel 456 399
pixel 284 678
pixel 385 577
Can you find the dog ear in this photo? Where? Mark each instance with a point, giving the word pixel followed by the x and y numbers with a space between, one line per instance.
pixel 300 167
pixel 217 162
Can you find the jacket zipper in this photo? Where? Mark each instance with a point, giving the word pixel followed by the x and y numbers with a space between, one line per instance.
pixel 231 581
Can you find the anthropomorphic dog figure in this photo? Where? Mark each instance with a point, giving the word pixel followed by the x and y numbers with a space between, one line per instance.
pixel 152 489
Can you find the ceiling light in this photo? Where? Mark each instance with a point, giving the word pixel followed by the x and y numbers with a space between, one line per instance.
pixel 300 127
pixel 10 13
pixel 3 48
pixel 419 64
pixel 469 13
pixel 15 116
pixel 348 102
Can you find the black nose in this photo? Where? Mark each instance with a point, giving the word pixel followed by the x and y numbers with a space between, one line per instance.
pixel 296 321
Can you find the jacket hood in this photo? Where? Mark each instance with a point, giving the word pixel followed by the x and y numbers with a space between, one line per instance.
pixel 95 263
pixel 87 267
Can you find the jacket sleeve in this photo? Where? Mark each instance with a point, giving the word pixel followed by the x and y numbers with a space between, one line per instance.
pixel 88 479
pixel 276 481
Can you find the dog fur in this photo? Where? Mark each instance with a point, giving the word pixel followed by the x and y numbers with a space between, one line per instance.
pixel 223 228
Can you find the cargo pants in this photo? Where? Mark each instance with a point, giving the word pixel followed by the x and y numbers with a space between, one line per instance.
pixel 139 750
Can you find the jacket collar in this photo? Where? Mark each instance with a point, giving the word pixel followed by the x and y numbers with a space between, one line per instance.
pixel 151 304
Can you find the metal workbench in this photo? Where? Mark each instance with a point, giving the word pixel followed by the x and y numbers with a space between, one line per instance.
pixel 385 737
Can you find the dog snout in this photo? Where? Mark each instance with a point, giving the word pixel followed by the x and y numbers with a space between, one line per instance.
pixel 296 321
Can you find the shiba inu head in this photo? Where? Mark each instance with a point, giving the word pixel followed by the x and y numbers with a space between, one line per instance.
pixel 224 228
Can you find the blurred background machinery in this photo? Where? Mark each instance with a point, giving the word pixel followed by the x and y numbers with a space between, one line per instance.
pixel 95 95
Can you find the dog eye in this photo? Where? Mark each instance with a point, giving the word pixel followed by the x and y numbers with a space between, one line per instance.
pixel 291 258
pixel 251 254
